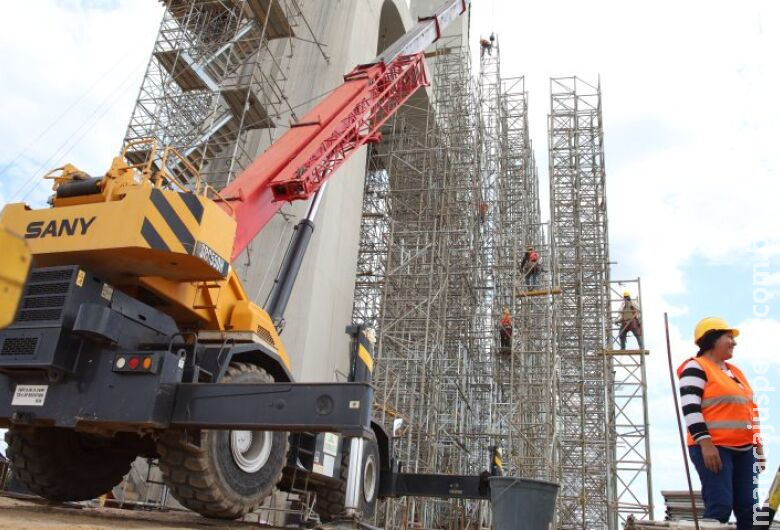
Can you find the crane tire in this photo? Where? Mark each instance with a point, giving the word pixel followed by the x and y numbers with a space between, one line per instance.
pixel 330 500
pixel 65 465
pixel 227 474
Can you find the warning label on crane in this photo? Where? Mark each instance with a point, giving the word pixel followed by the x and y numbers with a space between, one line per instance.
pixel 214 260
pixel 30 395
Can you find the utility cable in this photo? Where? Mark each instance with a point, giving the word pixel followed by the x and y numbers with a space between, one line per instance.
pixel 64 148
pixel 51 125
pixel 679 425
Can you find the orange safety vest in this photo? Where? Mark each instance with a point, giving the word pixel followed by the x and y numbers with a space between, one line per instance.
pixel 728 410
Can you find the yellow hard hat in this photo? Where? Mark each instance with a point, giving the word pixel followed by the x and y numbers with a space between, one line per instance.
pixel 626 293
pixel 710 324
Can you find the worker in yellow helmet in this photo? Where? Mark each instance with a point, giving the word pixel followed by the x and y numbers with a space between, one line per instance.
pixel 724 440
pixel 629 319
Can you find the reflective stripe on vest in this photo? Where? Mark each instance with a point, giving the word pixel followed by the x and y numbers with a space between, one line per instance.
pixel 727 408
pixel 729 425
pixel 742 400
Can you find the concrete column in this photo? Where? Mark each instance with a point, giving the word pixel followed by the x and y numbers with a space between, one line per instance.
pixel 321 302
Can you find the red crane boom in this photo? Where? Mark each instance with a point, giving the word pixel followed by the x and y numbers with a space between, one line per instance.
pixel 301 160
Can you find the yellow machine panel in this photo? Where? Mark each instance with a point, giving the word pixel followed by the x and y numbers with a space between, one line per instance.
pixel 14 265
pixel 148 232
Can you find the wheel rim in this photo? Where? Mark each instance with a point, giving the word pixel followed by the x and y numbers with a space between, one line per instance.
pixel 250 449
pixel 369 479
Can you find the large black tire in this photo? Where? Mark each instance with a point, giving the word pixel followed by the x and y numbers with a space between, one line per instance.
pixel 64 465
pixel 330 499
pixel 228 473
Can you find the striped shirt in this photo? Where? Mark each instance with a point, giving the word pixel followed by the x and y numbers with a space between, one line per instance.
pixel 692 381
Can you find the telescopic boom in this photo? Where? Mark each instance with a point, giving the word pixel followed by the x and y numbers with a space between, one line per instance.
pixel 303 159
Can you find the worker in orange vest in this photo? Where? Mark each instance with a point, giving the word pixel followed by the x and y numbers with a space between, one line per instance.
pixel 724 439
pixel 483 211
pixel 505 332
pixel 531 267
pixel 486 45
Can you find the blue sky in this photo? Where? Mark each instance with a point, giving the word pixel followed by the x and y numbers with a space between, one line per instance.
pixel 691 129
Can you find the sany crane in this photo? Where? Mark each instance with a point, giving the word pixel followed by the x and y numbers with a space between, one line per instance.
pixel 136 337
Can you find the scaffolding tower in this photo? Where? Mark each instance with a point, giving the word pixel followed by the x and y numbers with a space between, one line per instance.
pixel 531 289
pixel 214 86
pixel 451 205
pixel 579 232
pixel 415 286
pixel 633 486
pixel 523 374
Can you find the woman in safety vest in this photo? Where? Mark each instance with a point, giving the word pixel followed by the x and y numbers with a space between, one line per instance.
pixel 723 436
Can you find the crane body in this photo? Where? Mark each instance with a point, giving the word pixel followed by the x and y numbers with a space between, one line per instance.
pixel 135 336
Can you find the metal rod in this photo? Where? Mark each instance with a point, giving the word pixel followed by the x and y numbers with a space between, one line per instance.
pixel 291 264
pixel 679 423
pixel 426 32
pixel 354 473
pixel 315 202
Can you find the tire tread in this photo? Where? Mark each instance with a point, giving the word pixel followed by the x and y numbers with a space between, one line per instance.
pixel 187 472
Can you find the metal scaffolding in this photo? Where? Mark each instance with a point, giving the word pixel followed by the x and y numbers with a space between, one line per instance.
pixel 214 86
pixel 633 486
pixel 533 377
pixel 451 204
pixel 524 377
pixel 416 285
pixel 580 239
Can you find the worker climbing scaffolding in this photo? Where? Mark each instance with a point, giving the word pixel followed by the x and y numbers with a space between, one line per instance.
pixel 483 211
pixel 505 332
pixel 531 267
pixel 486 45
pixel 629 320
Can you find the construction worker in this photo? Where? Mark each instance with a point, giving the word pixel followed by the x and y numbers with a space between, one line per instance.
pixel 496 461
pixel 724 440
pixel 486 45
pixel 531 267
pixel 483 211
pixel 629 320
pixel 505 332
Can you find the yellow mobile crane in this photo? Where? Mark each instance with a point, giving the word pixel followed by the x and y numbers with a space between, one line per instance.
pixel 136 337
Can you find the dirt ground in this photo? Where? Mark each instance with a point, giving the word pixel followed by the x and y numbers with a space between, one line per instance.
pixel 23 514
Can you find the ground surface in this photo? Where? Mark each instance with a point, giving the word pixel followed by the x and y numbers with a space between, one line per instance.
pixel 38 515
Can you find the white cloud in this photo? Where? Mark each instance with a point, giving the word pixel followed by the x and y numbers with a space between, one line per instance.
pixel 758 342
pixel 71 70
